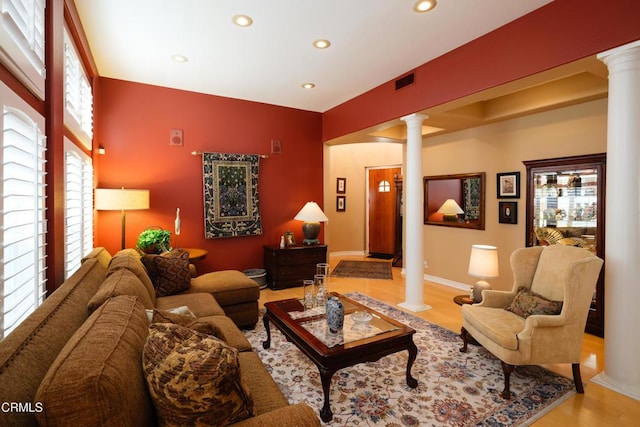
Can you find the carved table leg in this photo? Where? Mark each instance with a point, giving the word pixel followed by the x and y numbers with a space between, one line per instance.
pixel 325 377
pixel 266 344
pixel 413 352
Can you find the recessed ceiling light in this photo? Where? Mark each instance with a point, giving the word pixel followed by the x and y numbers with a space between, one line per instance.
pixel 424 5
pixel 179 58
pixel 321 43
pixel 242 20
pixel 308 85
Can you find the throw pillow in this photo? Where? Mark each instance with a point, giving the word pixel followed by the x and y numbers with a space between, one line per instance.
pixel 188 321
pixel 173 275
pixel 193 378
pixel 527 303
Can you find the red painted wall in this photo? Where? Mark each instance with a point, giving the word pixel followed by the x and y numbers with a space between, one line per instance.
pixel 133 124
pixel 558 33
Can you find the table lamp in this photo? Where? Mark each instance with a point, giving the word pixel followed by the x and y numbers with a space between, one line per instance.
pixel 312 216
pixel 483 263
pixel 450 209
pixel 121 199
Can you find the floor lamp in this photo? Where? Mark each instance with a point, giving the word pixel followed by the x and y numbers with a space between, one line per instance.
pixel 121 199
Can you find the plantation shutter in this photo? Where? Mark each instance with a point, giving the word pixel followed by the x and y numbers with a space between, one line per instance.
pixel 77 94
pixel 23 222
pixel 78 207
pixel 22 41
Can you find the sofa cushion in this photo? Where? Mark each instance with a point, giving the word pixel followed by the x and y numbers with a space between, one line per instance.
pixel 200 304
pixel 188 321
pixel 193 378
pixel 527 303
pixel 96 379
pixel 121 282
pixel 129 259
pixel 172 274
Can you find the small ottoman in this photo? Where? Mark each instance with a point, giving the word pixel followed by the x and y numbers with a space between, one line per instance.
pixel 236 293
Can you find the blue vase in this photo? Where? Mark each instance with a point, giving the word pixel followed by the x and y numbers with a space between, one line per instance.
pixel 334 314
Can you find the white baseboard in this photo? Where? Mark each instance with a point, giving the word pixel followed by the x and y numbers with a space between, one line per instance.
pixel 347 253
pixel 452 284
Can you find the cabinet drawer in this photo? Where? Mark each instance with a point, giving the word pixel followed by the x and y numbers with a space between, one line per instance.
pixel 294 257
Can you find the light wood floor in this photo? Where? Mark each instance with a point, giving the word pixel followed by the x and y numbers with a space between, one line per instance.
pixel 598 406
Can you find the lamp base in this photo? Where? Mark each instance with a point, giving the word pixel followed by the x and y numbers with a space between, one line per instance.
pixel 480 286
pixel 310 230
pixel 450 217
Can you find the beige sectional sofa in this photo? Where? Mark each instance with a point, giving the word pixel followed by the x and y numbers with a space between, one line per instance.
pixel 69 365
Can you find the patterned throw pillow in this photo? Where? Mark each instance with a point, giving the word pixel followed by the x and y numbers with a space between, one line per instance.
pixel 527 303
pixel 193 378
pixel 173 275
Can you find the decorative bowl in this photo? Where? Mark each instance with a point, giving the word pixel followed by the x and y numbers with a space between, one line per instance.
pixel 361 317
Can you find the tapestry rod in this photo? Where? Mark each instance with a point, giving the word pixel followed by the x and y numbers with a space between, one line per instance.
pixel 199 153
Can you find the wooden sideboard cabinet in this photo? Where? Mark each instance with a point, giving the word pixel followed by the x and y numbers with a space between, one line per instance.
pixel 288 267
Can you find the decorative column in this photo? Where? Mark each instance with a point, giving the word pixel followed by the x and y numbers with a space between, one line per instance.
pixel 413 255
pixel 622 269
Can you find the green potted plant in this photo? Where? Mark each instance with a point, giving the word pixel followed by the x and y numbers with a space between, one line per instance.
pixel 154 241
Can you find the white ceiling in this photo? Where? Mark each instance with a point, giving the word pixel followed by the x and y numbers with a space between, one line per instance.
pixel 372 42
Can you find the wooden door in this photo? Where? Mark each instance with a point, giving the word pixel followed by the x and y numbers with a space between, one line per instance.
pixel 382 211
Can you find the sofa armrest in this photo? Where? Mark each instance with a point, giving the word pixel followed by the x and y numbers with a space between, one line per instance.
pixel 298 415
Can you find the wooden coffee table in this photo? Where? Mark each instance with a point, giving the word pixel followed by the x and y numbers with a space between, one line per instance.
pixel 329 352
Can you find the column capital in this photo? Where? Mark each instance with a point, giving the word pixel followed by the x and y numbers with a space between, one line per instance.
pixel 414 118
pixel 628 53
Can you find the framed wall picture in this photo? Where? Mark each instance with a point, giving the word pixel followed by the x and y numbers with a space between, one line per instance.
pixel 341 185
pixel 508 212
pixel 508 185
pixel 341 203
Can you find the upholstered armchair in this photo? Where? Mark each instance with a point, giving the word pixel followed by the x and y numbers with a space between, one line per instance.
pixel 542 319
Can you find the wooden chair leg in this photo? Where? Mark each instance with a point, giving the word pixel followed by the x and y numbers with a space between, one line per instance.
pixel 507 369
pixel 577 378
pixel 465 338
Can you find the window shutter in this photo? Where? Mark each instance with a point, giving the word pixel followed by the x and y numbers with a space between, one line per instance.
pixel 23 222
pixel 22 41
pixel 77 94
pixel 78 207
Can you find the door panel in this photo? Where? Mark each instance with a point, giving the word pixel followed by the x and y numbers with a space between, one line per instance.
pixel 382 210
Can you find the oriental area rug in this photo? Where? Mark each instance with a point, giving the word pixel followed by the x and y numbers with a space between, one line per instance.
pixel 363 269
pixel 454 389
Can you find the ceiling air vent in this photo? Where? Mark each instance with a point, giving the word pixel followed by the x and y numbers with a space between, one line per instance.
pixel 404 81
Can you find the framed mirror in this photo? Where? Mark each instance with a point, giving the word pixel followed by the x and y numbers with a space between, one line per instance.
pixel 455 200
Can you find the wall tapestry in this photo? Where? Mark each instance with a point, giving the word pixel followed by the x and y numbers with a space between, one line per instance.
pixel 231 206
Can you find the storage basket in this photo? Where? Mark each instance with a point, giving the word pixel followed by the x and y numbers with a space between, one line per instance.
pixel 259 275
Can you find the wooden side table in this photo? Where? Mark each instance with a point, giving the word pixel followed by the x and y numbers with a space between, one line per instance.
pixel 462 299
pixel 196 254
pixel 288 267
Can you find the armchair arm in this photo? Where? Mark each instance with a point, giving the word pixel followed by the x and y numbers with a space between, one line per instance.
pixel 498 299
pixel 544 321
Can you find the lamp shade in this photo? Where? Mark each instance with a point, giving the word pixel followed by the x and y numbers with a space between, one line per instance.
pixel 483 262
pixel 311 212
pixel 118 199
pixel 450 207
